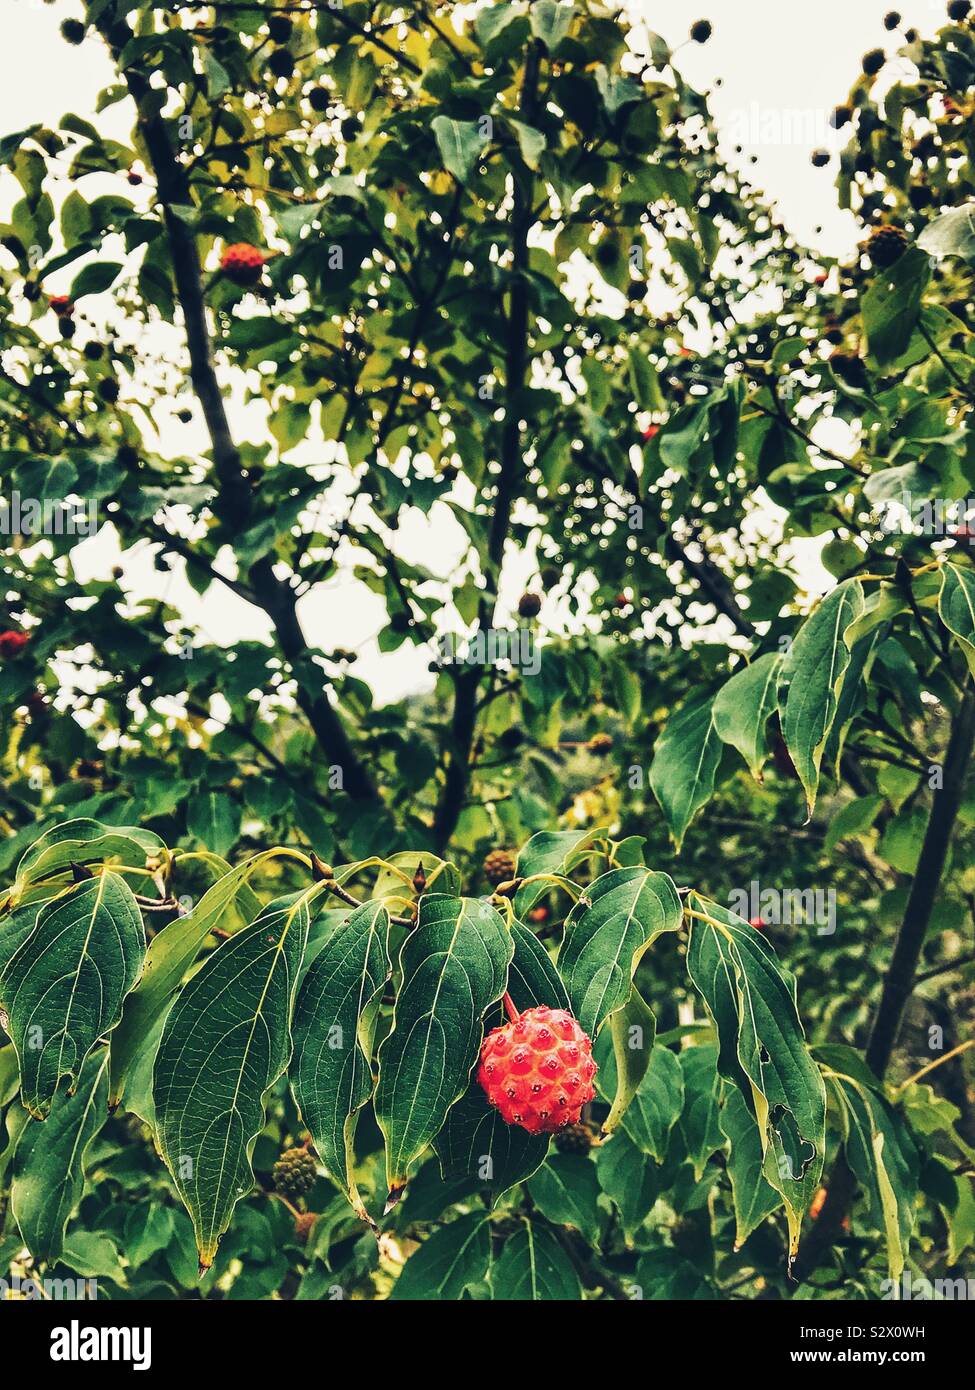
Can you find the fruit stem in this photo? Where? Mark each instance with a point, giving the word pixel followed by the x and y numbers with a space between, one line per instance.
pixel 509 1005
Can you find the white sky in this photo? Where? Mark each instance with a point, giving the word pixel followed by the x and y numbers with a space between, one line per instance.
pixel 784 65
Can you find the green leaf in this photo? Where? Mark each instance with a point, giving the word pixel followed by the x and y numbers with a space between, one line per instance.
pixel 334 1026
pixel 685 763
pixel 566 1191
pixel 892 304
pixel 213 819
pixel 147 1231
pixel 460 144
pixel 448 1263
pixel 532 976
pixel 762 1049
pixel 743 706
pixel 626 1176
pixel 657 1104
pixel 75 218
pixel 632 1030
pixel 225 1043
pixel 811 679
pixel 531 142
pixel 49 1161
pixel 454 966
pixel 753 1196
pixel 951 234
pixel 956 608
pixel 853 819
pixel 534 1268
pixel 699 1124
pixel 218 79
pixel 551 22
pixel 64 987
pixel 617 918
pixel 93 1255
pixel 84 842
pixel 170 955
pixel 885 1160
pixel 95 278
pixel 550 852
pixel 475 1142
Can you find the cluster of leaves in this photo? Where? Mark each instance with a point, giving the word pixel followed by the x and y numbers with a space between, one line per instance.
pixel 191 1047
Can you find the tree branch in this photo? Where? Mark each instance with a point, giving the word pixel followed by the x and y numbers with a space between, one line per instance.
pixel 714 583
pixel 464 719
pixel 234 500
pixel 901 973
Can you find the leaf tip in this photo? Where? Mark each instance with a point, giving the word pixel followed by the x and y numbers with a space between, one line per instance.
pixel 396 1191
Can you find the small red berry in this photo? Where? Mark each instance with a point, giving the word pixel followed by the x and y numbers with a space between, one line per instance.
pixel 134 177
pixel 538 1070
pixel 12 643
pixel 538 914
pixel 61 304
pixel 650 432
pixel 242 263
pixel 757 922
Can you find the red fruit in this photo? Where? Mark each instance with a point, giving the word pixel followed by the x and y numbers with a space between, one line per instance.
pixel 538 914
pixel 650 432
pixel 821 278
pixel 757 922
pixel 134 178
pixel 11 643
pixel 242 263
pixel 538 1070
pixel 61 304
